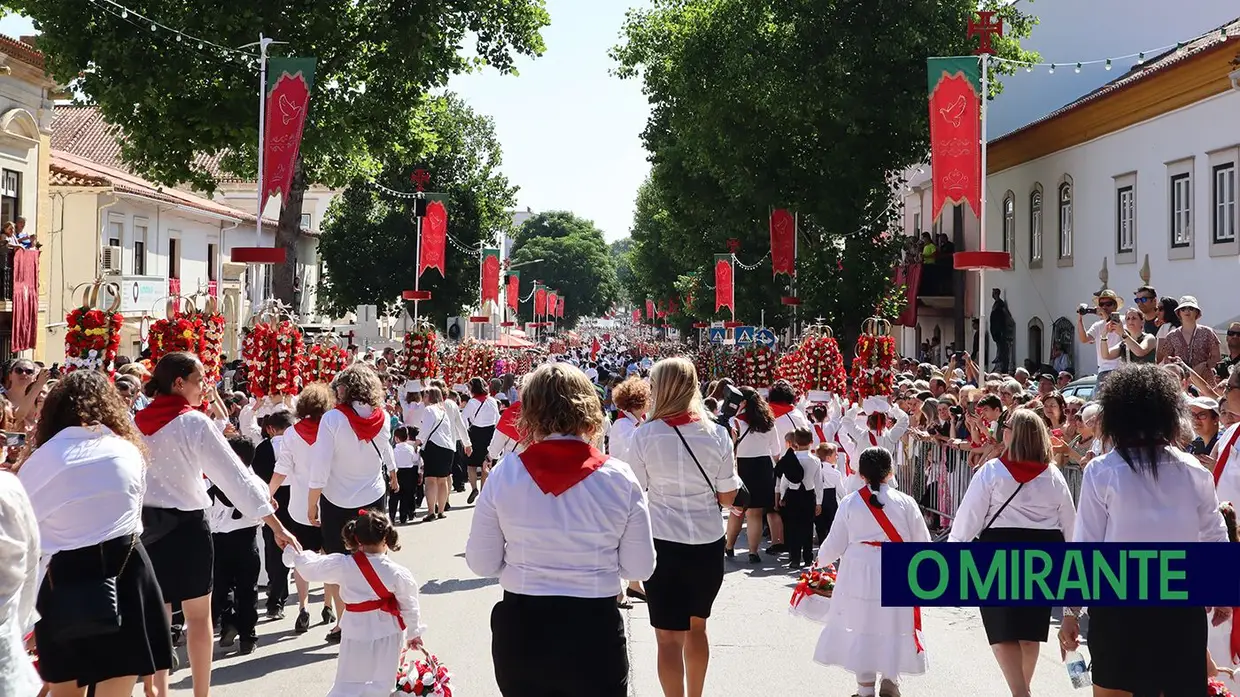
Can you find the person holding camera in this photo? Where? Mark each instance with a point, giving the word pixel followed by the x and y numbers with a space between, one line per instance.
pixel 1136 345
pixel 1104 333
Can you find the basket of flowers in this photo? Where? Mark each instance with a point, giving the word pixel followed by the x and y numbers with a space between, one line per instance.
pixel 824 365
pixel 93 335
pixel 1216 688
pixel 811 598
pixel 874 367
pixel 425 677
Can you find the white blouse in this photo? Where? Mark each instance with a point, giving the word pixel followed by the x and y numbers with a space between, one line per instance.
pixel 406 456
pixel 501 445
pixel 811 480
pixel 482 412
pixel 1043 503
pixel 790 422
pixel 750 443
pixel 832 479
pixel 682 506
pixel 460 434
pixel 19 585
pixel 183 451
pixel 578 544
pixel 436 427
pixel 294 463
pixel 620 437
pixel 1229 480
pixel 411 413
pixel 342 570
pixel 1119 504
pixel 347 469
pixel 85 485
pixel 854 426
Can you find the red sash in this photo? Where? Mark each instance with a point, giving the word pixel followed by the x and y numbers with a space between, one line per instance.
pixel 885 523
pixel 873 440
pixel 1222 458
pixel 386 602
pixel 822 437
pixel 847 460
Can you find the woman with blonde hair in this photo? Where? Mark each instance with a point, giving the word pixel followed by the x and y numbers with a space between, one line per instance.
pixel 1017 497
pixel 347 460
pixel 560 524
pixel 684 459
pixel 435 435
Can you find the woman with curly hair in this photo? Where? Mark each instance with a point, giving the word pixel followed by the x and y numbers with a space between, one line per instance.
pixel 1145 490
pixel 85 482
pixel 347 460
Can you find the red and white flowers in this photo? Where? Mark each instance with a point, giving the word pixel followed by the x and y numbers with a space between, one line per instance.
pixel 92 338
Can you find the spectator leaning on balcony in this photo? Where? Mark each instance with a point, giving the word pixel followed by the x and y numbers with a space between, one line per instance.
pixel 1194 344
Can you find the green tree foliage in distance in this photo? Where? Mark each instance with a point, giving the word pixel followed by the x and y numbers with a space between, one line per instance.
pixel 369 237
pixel 176 103
pixel 816 106
pixel 620 251
pixel 576 261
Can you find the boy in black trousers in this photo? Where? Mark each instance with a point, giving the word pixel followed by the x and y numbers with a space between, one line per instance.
pixel 265 456
pixel 799 496
pixel 234 601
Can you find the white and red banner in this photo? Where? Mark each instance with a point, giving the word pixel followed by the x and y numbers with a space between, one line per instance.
pixel 434 238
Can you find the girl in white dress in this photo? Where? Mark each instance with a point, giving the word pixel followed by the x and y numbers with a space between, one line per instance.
pixel 861 636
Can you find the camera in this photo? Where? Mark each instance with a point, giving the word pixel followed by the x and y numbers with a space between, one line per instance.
pixel 14 440
pixel 957 411
pixel 732 399
pixel 1084 309
pixel 958 357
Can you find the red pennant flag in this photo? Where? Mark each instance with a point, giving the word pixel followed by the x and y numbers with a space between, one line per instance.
pixel 649 309
pixel 490 276
pixel 724 296
pixel 595 347
pixel 637 316
pixel 783 242
pixel 540 302
pixel 561 307
pixel 955 132
pixel 514 289
pixel 434 237
pixel 551 301
pixel 289 81
pixel 671 306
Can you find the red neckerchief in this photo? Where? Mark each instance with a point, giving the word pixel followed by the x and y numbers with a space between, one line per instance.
pixel 687 417
pixel 885 523
pixel 1022 471
pixel 365 428
pixel 559 464
pixel 781 409
pixel 508 422
pixel 308 429
pixel 847 460
pixel 160 412
pixel 1222 458
pixel 386 602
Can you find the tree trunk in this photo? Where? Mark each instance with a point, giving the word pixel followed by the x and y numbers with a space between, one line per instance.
pixel 287 237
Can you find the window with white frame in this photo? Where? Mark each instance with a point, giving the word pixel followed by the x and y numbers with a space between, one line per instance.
pixel 1065 220
pixel 1224 198
pixel 917 223
pixel 268 277
pixel 1125 220
pixel 116 230
pixel 139 247
pixel 10 196
pixel 1035 226
pixel 306 220
pixel 1181 210
pixel 1009 222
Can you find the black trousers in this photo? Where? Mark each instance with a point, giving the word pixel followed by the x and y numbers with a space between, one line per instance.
pixel 459 475
pixel 798 510
pixel 556 646
pixel 822 522
pixel 402 504
pixel 235 598
pixel 273 556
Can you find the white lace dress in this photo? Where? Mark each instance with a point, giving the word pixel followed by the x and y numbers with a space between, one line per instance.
pixel 19 569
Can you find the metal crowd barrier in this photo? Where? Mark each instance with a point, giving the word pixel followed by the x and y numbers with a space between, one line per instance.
pixel 937 476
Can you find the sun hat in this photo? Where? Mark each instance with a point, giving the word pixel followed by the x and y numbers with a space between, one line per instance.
pixel 1188 301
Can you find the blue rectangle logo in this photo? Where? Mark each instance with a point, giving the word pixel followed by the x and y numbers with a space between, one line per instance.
pixel 982 574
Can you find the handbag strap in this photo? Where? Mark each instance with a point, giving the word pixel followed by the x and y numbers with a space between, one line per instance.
pixel 748 428
pixel 709 483
pixel 133 543
pixel 1001 509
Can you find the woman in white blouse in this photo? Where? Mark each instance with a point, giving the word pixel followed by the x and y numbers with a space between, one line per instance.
pixel 438 453
pixel 758 448
pixel 347 460
pixel 1145 490
pixel 632 399
pixel 293 468
pixel 560 524
pixel 460 435
pixel 184 445
pixel 1018 497
pixel 684 459
pixel 19 582
pixel 85 482
pixel 482 414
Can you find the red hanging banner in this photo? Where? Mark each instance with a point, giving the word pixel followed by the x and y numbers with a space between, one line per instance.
pixel 671 306
pixel 955 133
pixel 661 310
pixel 637 316
pixel 289 81
pixel 649 309
pixel 513 290
pixel 560 309
pixel 551 301
pixel 434 237
pixel 724 295
pixel 783 242
pixel 490 276
pixel 540 301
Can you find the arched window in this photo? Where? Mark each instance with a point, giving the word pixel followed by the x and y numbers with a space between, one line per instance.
pixel 1065 220
pixel 1009 222
pixel 1035 225
pixel 1035 342
pixel 1063 337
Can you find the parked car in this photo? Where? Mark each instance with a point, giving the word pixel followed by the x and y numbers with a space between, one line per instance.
pixel 1081 387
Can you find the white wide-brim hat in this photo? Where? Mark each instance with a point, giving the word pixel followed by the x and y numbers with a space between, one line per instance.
pixel 875 405
pixel 413 386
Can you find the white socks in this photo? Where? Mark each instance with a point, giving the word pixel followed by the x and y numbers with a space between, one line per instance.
pixel 864 691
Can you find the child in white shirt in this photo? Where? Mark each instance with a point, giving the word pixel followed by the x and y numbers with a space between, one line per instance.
pixel 832 487
pixel 799 494
pixel 405 499
pixel 381 602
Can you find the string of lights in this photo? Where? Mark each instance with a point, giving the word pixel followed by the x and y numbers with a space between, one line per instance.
pixel 751 267
pixel 176 36
pixel 1107 63
pixel 407 195
pixel 461 247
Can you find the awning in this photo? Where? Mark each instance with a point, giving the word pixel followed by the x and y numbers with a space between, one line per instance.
pixel 509 341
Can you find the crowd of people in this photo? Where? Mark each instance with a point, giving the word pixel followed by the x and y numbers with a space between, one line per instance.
pixel 146 503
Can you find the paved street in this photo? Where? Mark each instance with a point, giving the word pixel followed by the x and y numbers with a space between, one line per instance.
pixel 754 639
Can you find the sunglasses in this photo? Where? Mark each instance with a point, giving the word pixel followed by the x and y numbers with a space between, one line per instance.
pixel 24 371
pixel 1233 333
pixel 1106 303
pixel 1142 301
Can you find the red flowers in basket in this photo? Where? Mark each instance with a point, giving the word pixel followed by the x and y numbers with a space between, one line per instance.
pixel 1216 688
pixel 92 338
pixel 325 361
pixel 824 365
pixel 425 678
pixel 274 356
pixel 816 581
pixel 421 354
pixel 873 369
pixel 755 366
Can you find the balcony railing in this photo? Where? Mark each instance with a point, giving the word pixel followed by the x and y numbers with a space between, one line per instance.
pixel 6 275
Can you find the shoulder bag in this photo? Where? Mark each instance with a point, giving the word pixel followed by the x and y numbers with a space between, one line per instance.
pixel 742 493
pixel 999 512
pixel 82 609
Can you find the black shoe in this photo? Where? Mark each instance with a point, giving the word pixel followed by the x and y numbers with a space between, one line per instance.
pixel 473 496
pixel 275 613
pixel 429 517
pixel 247 646
pixel 178 635
pixel 328 616
pixel 446 507
pixel 754 559
pixel 635 593
pixel 459 489
pixel 302 625
pixel 333 637
pixel 778 548
pixel 729 553
pixel 228 635
pixel 442 516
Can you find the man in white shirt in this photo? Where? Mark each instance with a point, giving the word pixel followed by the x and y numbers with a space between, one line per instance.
pixel 1104 333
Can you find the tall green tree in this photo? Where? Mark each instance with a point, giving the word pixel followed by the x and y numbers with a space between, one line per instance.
pixel 811 105
pixel 177 102
pixel 575 260
pixel 621 250
pixel 370 238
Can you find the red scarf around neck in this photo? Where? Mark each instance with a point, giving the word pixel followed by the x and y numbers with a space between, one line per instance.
pixel 687 417
pixel 308 429
pixel 781 409
pixel 364 427
pixel 162 410
pixel 1022 471
pixel 560 464
pixel 508 422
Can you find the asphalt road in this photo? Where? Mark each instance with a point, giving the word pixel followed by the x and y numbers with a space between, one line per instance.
pixel 757 646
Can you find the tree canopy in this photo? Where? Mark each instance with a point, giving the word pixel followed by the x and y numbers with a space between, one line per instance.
pixel 369 237
pixel 812 105
pixel 177 102
pixel 575 260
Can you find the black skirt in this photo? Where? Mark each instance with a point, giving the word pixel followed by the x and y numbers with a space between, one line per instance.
pixel 758 474
pixel 1004 624
pixel 181 552
pixel 556 646
pixel 686 580
pixel 437 460
pixel 142 645
pixel 479 442
pixel 333 518
pixel 1149 650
